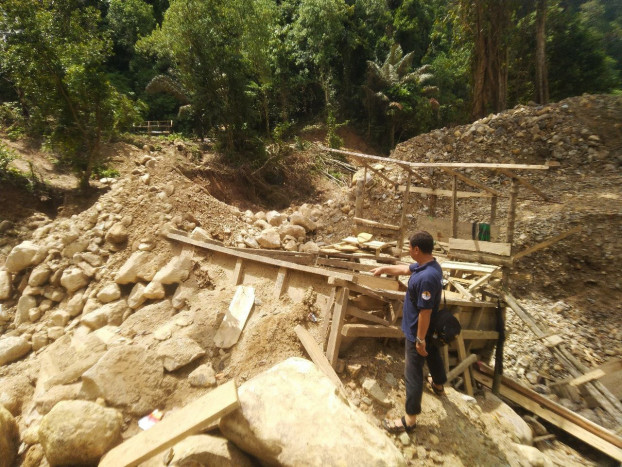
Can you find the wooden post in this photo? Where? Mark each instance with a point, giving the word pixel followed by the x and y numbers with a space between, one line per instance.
pixel 468 385
pixel 237 272
pixel 454 207
pixel 400 240
pixel 493 211
pixel 358 207
pixel 509 234
pixel 339 314
pixel 279 285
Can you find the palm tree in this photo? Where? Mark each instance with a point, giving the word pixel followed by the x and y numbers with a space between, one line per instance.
pixel 388 79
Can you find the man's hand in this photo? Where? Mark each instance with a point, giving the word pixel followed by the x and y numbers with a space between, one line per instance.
pixel 420 346
pixel 377 271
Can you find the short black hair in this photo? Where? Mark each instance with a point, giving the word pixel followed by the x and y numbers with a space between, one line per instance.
pixel 423 240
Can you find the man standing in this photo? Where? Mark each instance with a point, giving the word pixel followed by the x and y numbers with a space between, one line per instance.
pixel 423 298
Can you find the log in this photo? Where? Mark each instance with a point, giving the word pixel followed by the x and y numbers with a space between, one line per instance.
pixel 459 369
pixel 317 356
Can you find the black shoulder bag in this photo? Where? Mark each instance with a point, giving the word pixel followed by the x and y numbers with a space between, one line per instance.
pixel 444 326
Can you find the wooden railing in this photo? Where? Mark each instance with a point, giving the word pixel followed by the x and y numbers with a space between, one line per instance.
pixel 155 127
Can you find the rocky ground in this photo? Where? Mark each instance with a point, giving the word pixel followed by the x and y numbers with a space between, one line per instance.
pixel 97 306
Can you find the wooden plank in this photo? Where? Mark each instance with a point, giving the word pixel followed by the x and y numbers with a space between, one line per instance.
pixel 365 315
pixel 552 341
pixel 509 231
pixel 468 267
pixel 454 206
pixel 317 356
pixel 400 239
pixel 380 174
pixel 351 265
pixel 541 401
pixel 231 327
pixel 471 182
pixel 473 334
pixel 444 193
pixel 339 313
pixel 237 272
pixel 476 257
pixel 336 254
pixel 377 225
pixel 597 373
pixel 503 249
pixel 189 420
pixel 481 281
pixel 546 243
pixel 457 370
pixel 291 256
pixel 423 165
pixel 327 317
pixel 468 385
pixel 260 259
pixel 371 330
pixel 461 289
pixel 524 182
pixel 281 279
pixel 375 282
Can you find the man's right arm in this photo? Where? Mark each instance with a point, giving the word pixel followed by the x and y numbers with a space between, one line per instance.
pixel 392 270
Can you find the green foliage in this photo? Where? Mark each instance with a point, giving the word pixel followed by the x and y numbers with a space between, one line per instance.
pixel 103 171
pixel 332 138
pixel 6 157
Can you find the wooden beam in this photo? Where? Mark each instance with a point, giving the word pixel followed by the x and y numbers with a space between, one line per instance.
pixel 474 334
pixel 461 289
pixel 291 256
pixel 423 165
pixel 191 419
pixel 477 257
pixel 281 279
pixel 468 384
pixel 454 206
pixel 596 373
pixel 546 243
pixel 459 369
pixel 377 225
pixel 380 174
pixel 471 182
pixel 339 314
pixel 502 249
pixel 367 316
pixel 400 240
pixel 554 407
pixel 358 207
pixel 469 267
pixel 479 282
pixel 351 265
pixel 261 259
pixel 326 319
pixel 238 271
pixel 493 211
pixel 509 234
pixel 375 282
pixel 371 330
pixel 524 182
pixel 444 193
pixel 318 357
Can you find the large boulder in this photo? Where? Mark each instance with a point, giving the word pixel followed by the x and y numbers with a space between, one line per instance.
pixel 177 270
pixel 178 352
pixel 142 265
pixel 62 392
pixel 39 275
pixel 509 420
pixel 109 293
pixel 292 415
pixel 127 376
pixel 208 450
pixel 5 285
pixel 24 255
pixel 296 231
pixel 79 432
pixel 13 348
pixel 9 438
pixel 24 305
pixel 117 234
pixel 299 219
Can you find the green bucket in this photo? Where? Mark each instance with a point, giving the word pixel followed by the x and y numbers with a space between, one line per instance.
pixel 483 232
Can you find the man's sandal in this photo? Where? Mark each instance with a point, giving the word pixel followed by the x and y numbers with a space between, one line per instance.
pixel 438 391
pixel 391 427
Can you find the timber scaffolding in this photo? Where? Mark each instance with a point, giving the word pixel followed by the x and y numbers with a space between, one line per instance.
pixel 352 303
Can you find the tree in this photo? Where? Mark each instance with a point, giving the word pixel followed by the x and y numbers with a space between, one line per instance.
pixel 54 55
pixel 542 83
pixel 128 20
pixel 387 88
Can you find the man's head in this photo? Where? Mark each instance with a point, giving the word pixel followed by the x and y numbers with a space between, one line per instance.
pixel 423 240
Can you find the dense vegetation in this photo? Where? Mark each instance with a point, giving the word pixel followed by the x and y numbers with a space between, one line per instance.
pixel 245 72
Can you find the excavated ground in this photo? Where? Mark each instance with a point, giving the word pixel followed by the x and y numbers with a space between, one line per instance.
pixel 574 287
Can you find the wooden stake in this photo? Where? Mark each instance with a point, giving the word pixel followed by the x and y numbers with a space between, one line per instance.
pixel 509 235
pixel 334 339
pixel 454 206
pixel 400 240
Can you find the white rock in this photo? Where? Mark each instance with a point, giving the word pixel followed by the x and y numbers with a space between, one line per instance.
pixel 200 234
pixel 275 218
pixel 110 313
pixel 209 450
pixel 269 238
pixel 13 348
pixel 178 352
pixel 117 234
pixel 39 275
pixel 372 388
pixel 59 318
pixel 517 427
pixel 73 278
pixel 55 294
pixel 299 219
pixel 140 266
pixel 56 332
pixel 75 247
pixel 109 293
pixel 39 340
pixel 251 242
pixel 24 255
pixel 76 304
pixel 177 270
pixel 310 247
pixel 137 296
pixel 5 285
pixel 79 432
pixel 9 438
pixel 261 224
pixel 296 231
pixel 203 376
pixel 532 457
pixel 25 303
pixel 273 421
pixel 154 290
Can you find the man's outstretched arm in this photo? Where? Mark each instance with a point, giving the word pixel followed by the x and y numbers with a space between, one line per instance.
pixel 392 270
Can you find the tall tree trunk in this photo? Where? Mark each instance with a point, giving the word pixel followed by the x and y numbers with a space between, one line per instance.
pixel 542 85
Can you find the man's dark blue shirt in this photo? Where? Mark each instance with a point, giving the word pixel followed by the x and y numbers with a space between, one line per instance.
pixel 425 287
